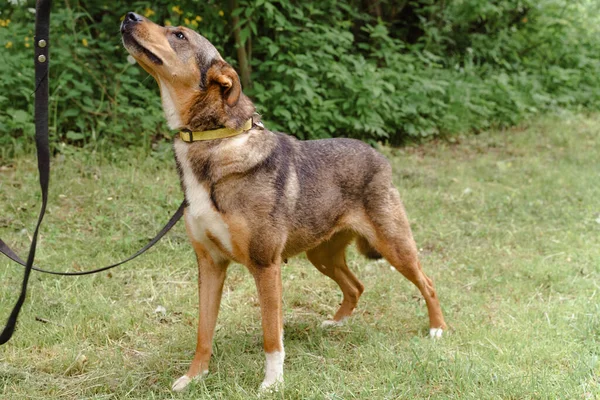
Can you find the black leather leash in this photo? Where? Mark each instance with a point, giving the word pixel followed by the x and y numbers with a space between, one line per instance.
pixel 7 251
pixel 42 43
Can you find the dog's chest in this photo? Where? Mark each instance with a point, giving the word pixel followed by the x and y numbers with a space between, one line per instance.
pixel 203 220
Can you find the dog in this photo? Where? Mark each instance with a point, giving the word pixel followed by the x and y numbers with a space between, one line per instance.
pixel 258 197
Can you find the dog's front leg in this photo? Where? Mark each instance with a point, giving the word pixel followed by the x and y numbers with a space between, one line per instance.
pixel 211 276
pixel 268 284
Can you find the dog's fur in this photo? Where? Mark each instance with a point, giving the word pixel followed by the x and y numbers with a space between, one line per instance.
pixel 261 197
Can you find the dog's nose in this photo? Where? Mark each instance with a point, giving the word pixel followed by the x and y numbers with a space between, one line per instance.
pixel 132 17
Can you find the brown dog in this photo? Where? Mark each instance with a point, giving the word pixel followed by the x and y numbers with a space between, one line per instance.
pixel 258 197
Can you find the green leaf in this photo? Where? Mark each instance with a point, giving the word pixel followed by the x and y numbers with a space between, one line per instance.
pixel 237 12
pixel 71 112
pixel 244 34
pixel 74 135
pixel 20 116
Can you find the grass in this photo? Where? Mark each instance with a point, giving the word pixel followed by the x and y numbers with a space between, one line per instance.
pixel 508 225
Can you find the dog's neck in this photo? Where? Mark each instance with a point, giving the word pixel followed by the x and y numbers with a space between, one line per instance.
pixel 171 107
pixel 204 113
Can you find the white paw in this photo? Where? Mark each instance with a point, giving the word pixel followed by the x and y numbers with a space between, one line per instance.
pixel 435 333
pixel 329 323
pixel 273 372
pixel 181 383
pixel 271 385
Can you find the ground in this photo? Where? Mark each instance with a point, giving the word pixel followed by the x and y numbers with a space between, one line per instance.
pixel 507 223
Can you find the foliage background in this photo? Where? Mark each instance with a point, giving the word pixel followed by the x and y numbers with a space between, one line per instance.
pixel 387 70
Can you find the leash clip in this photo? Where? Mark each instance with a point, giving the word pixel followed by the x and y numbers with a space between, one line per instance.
pixel 256 121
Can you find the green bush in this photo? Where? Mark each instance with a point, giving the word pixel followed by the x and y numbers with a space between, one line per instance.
pixel 374 70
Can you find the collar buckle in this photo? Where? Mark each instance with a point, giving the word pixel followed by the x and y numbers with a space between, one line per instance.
pixel 186 135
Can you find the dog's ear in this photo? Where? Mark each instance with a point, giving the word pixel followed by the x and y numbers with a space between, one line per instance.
pixel 230 84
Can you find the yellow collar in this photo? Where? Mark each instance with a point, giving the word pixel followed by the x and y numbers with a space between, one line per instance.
pixel 188 136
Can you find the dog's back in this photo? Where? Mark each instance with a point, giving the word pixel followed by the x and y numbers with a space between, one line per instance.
pixel 335 178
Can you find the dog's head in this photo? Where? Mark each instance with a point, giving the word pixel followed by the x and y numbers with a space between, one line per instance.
pixel 199 90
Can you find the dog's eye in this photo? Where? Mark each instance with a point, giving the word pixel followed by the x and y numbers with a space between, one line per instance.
pixel 180 35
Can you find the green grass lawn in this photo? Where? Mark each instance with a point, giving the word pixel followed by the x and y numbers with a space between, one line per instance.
pixel 507 223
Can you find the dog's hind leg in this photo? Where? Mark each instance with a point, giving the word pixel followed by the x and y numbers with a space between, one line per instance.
pixel 330 258
pixel 393 240
pixel 405 260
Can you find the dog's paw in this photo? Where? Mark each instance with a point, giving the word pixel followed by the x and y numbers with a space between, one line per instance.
pixel 183 382
pixel 271 385
pixel 273 372
pixel 435 333
pixel 329 323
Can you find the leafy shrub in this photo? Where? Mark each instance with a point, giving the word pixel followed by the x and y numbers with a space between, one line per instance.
pixel 375 70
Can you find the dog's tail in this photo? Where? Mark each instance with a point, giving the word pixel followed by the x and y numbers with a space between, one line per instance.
pixel 366 249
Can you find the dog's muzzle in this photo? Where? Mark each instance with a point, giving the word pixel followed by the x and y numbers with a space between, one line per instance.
pixel 128 26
